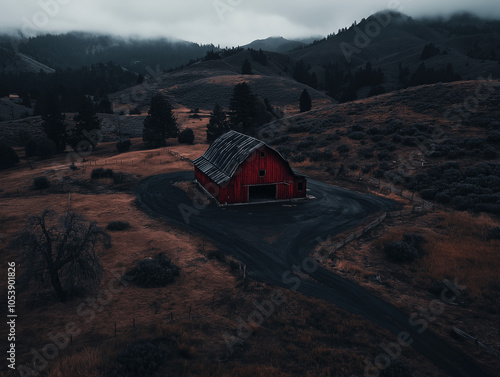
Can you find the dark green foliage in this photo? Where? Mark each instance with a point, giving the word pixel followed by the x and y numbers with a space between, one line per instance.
pixel 119 178
pixel 45 148
pixel 101 173
pixel 54 124
pixel 477 188
pixel 424 75
pixel 40 183
pixel 118 225
pixel 8 156
pixel 242 108
pixel 397 368
pixel 160 124
pixel 154 272
pixel 186 136
pixel 211 55
pixel 305 102
pixel 406 250
pixel 429 51
pixel 356 135
pixel 217 125
pixel 142 358
pixel 316 155
pixel 494 233
pixel 343 148
pixel 302 75
pixel 258 56
pixel 86 134
pixel 123 145
pixel 246 68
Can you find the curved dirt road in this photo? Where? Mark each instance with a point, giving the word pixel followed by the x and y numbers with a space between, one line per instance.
pixel 275 239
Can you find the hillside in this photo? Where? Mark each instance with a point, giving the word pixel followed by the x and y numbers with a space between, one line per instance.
pixel 408 138
pixel 397 40
pixel 203 84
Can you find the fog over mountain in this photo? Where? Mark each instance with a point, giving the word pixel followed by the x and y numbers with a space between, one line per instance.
pixel 225 22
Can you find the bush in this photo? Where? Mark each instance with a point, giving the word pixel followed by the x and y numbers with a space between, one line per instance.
pixel 123 145
pixel 186 136
pixel 400 251
pixel 40 183
pixel 154 272
pixel 121 178
pixel 8 156
pixel 490 153
pixel 357 135
pixel 397 368
pixel 406 250
pixel 41 147
pixel 101 173
pixel 118 225
pixel 343 148
pixel 353 167
pixel 142 358
pixel 494 233
pixel 320 156
pixel 46 148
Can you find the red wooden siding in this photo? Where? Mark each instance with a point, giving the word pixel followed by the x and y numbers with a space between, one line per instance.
pixel 277 171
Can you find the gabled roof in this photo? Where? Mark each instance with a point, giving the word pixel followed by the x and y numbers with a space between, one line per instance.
pixel 226 154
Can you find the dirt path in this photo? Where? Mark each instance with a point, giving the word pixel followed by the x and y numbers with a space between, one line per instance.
pixel 274 241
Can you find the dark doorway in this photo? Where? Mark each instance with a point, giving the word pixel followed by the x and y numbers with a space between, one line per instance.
pixel 261 193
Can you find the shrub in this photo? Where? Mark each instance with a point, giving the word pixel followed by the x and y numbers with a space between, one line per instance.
pixel 490 153
pixel 400 251
pixel 8 156
pixel 494 233
pixel 41 147
pixel 154 272
pixel 357 135
pixel 186 136
pixel 343 148
pixel 121 178
pixel 376 138
pixel 397 368
pixel 101 173
pixel 118 225
pixel 142 358
pixel 365 152
pixel 123 145
pixel 320 156
pixel 305 144
pixel 40 183
pixel 353 167
pixel 298 158
pixel 406 250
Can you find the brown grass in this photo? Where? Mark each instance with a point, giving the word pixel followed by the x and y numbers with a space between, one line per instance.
pixel 465 253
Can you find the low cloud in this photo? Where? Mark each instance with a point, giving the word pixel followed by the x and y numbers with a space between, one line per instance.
pixel 225 22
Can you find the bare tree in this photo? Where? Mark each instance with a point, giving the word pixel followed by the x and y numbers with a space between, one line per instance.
pixel 61 250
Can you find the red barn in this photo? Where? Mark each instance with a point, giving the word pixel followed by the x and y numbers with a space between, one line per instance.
pixel 240 169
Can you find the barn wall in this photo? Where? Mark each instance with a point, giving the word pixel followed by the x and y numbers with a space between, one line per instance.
pixel 277 172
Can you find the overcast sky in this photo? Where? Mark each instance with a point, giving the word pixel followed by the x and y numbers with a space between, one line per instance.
pixel 224 22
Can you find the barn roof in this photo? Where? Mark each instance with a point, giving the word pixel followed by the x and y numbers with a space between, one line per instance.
pixel 226 154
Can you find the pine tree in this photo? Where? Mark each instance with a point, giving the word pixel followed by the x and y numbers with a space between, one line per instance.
pixel 86 134
pixel 246 68
pixel 217 125
pixel 54 124
pixel 160 124
pixel 242 108
pixel 305 101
